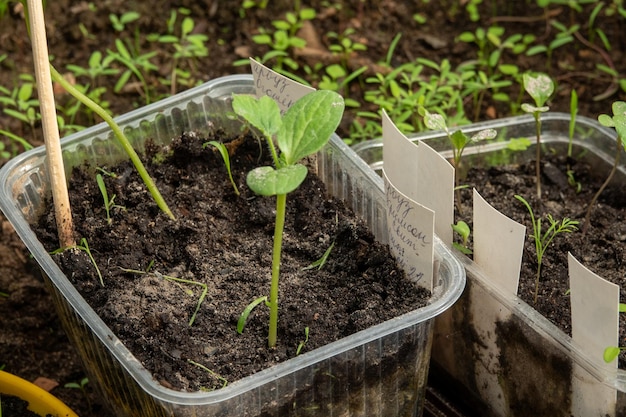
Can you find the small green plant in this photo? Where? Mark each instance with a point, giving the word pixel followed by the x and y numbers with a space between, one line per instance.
pixel 109 203
pixel 562 38
pixel 81 385
pixel 220 378
pixel 21 103
pixel 458 140
pixel 221 148
pixel 612 352
pixel 463 230
pixel 543 239
pixel 321 261
pixel 83 246
pixel 540 87
pixel 203 294
pixel 303 130
pixel 303 343
pixel 618 122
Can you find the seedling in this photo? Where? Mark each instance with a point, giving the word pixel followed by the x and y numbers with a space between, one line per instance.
pixel 223 380
pixel 203 294
pixel 618 122
pixel 462 229
pixel 83 246
pixel 458 140
pixel 540 87
pixel 81 386
pixel 612 352
pixel 109 203
pixel 224 153
pixel 321 261
pixel 303 130
pixel 542 241
pixel 303 342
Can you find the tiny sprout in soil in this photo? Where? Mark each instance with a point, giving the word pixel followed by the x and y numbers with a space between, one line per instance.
pixel 618 121
pixel 542 241
pixel 458 140
pixel 83 246
pixel 462 229
pixel 226 157
pixel 109 203
pixel 303 130
pixel 540 87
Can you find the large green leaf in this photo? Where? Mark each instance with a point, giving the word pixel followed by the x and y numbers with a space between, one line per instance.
pixel 308 124
pixel 263 113
pixel 268 181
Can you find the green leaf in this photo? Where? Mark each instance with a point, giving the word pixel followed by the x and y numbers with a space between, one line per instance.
pixel 308 124
pixel 485 134
pixel 243 318
pixel 435 121
pixel 268 181
pixel 529 108
pixel 539 86
pixel 263 113
pixel 459 139
pixel 610 353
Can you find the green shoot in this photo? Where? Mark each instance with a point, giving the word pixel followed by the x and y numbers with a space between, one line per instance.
pixel 618 122
pixel 83 246
pixel 303 130
pixel 212 373
pixel 224 152
pixel 81 386
pixel 243 318
pixel 303 342
pixel 540 87
pixel 203 294
pixel 573 112
pixel 109 203
pixel 458 140
pixel 462 229
pixel 613 352
pixel 321 261
pixel 542 241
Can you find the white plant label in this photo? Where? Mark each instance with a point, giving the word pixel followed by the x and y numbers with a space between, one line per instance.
pixel 410 221
pixel 411 230
pixel 422 174
pixel 498 245
pixel 283 90
pixel 595 326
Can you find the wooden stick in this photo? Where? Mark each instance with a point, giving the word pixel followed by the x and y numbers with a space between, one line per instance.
pixel 56 170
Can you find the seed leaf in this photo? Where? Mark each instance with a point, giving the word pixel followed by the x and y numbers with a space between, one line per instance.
pixel 268 181
pixel 264 113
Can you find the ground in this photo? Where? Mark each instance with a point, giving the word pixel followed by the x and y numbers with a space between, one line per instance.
pixel 32 343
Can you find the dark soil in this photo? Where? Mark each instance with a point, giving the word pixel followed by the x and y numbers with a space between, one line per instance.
pixel 223 241
pixel 31 341
pixel 16 407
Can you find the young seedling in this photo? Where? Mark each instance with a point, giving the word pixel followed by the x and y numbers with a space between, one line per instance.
pixel 203 294
pixel 224 152
pixel 220 378
pixel 458 140
pixel 321 261
pixel 543 240
pixel 303 130
pixel 80 385
pixel 109 203
pixel 612 352
pixel 83 246
pixel 618 122
pixel 463 230
pixel 540 87
pixel 303 343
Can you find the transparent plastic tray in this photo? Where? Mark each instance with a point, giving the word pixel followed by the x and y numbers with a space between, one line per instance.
pixel 508 359
pixel 130 388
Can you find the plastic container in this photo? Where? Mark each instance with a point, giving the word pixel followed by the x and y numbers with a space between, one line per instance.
pixel 503 357
pixel 39 401
pixel 381 371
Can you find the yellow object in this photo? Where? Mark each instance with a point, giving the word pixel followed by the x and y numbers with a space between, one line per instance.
pixel 40 401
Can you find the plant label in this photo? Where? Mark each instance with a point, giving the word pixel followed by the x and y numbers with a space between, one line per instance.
pixel 498 245
pixel 283 90
pixel 413 176
pixel 595 326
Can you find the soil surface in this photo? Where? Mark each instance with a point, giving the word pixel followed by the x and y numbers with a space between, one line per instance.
pixel 223 242
pixel 32 344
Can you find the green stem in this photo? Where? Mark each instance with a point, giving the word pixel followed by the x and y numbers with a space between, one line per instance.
pixel 538 155
pixel 123 140
pixel 281 204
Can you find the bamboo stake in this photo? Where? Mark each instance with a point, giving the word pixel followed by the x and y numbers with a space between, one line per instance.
pixel 56 170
